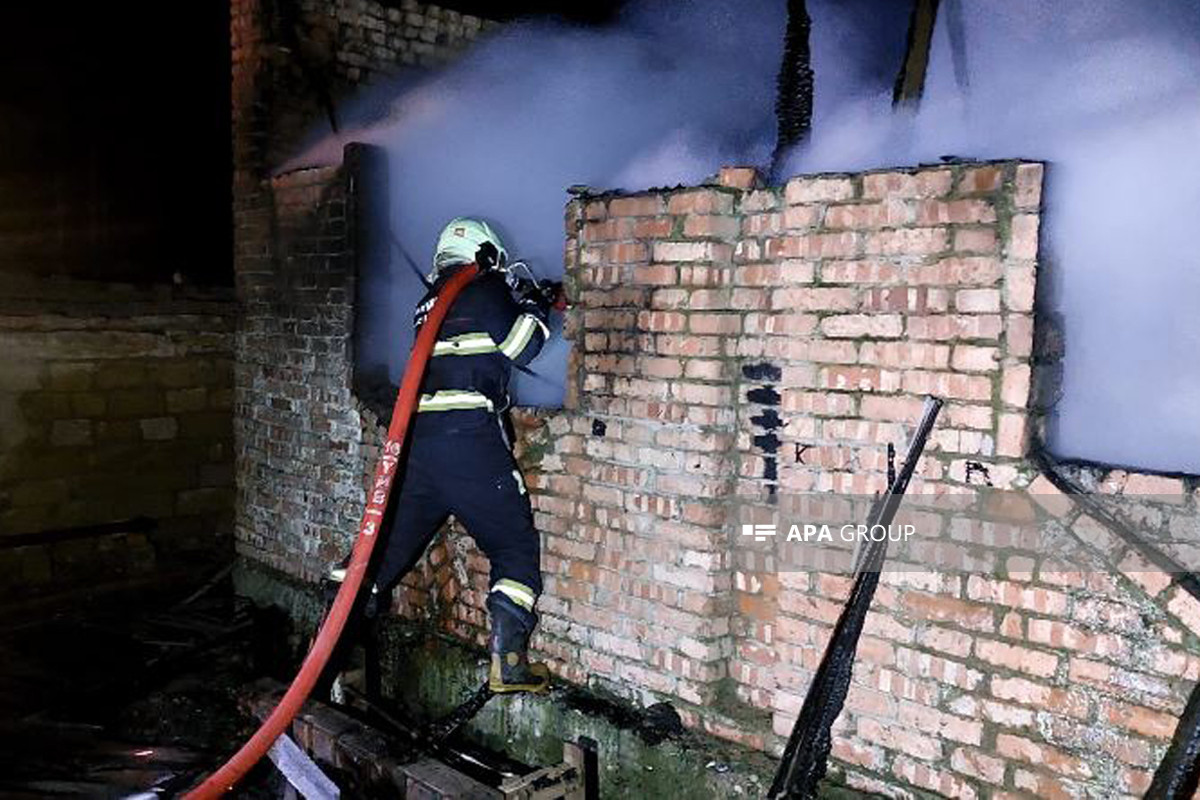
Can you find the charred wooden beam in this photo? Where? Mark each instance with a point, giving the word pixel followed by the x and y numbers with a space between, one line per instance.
pixel 806 755
pixel 794 85
pixel 910 83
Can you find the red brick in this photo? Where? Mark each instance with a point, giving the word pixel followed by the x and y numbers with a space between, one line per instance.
pixel 852 752
pixel 947 609
pixel 699 201
pixel 828 352
pixel 656 275
pixel 821 403
pixel 692 251
pixel 758 275
pixel 944 670
pixel 748 299
pixel 905 355
pixel 818 190
pixel 1038 695
pixel 948 385
pixel 980 179
pixel 762 224
pixel 1038 754
pixel 907 241
pixel 941 212
pixel 636 206
pixel 898 739
pixel 721 324
pixel 815 299
pixel 1010 436
pixel 710 225
pixel 687 345
pixel 1029 186
pixel 914 300
pixel 959 270
pixel 977 301
pixel 945 784
pixel 1023 237
pixel 612 229
pixel 800 217
pixel 926 183
pixel 947 327
pixel 1019 288
pixel 626 253
pixel 661 321
pixel 738 177
pixel 1017 595
pixel 853 326
pixel 596 209
pixel 859 379
pixel 970 358
pixel 975 764
pixel 661 367
pixel 1018 335
pixel 747 250
pixel 955 643
pixel 888 214
pixel 1140 720
pixel 1158 487
pixel 760 200
pixel 653 227
pixel 813 245
pixel 859 272
pixel 943 725
pixel 1014 387
pixel 975 240
pixel 781 324
pixel 1020 659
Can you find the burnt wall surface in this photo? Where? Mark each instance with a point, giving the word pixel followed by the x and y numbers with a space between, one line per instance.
pixel 115 403
pixel 736 350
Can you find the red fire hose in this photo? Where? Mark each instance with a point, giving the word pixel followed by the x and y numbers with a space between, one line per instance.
pixel 243 760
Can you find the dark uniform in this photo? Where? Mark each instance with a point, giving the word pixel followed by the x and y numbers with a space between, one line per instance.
pixel 460 462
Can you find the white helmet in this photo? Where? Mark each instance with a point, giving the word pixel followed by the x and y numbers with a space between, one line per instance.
pixel 460 243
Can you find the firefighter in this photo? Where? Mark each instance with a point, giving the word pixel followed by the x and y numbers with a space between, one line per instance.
pixel 460 459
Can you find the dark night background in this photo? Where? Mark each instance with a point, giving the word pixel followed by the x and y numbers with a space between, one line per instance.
pixel 114 136
pixel 114 140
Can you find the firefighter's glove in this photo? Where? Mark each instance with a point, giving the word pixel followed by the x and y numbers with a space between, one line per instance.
pixel 534 299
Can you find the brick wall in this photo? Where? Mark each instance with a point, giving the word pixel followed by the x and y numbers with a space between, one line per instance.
pixel 734 348
pixel 293 63
pixel 299 429
pixel 115 403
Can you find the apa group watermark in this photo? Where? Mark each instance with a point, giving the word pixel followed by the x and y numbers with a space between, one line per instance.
pixel 849 534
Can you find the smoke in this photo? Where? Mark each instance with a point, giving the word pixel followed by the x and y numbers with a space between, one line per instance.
pixel 665 96
pixel 1105 90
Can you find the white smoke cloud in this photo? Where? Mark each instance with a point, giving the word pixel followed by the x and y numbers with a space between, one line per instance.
pixel 665 96
pixel 1104 90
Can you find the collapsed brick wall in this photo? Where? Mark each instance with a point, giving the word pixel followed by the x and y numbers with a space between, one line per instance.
pixel 115 403
pixel 733 346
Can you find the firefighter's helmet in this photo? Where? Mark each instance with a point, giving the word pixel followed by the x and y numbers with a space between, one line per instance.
pixel 464 241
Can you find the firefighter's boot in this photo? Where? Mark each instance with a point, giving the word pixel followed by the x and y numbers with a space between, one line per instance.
pixel 511 627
